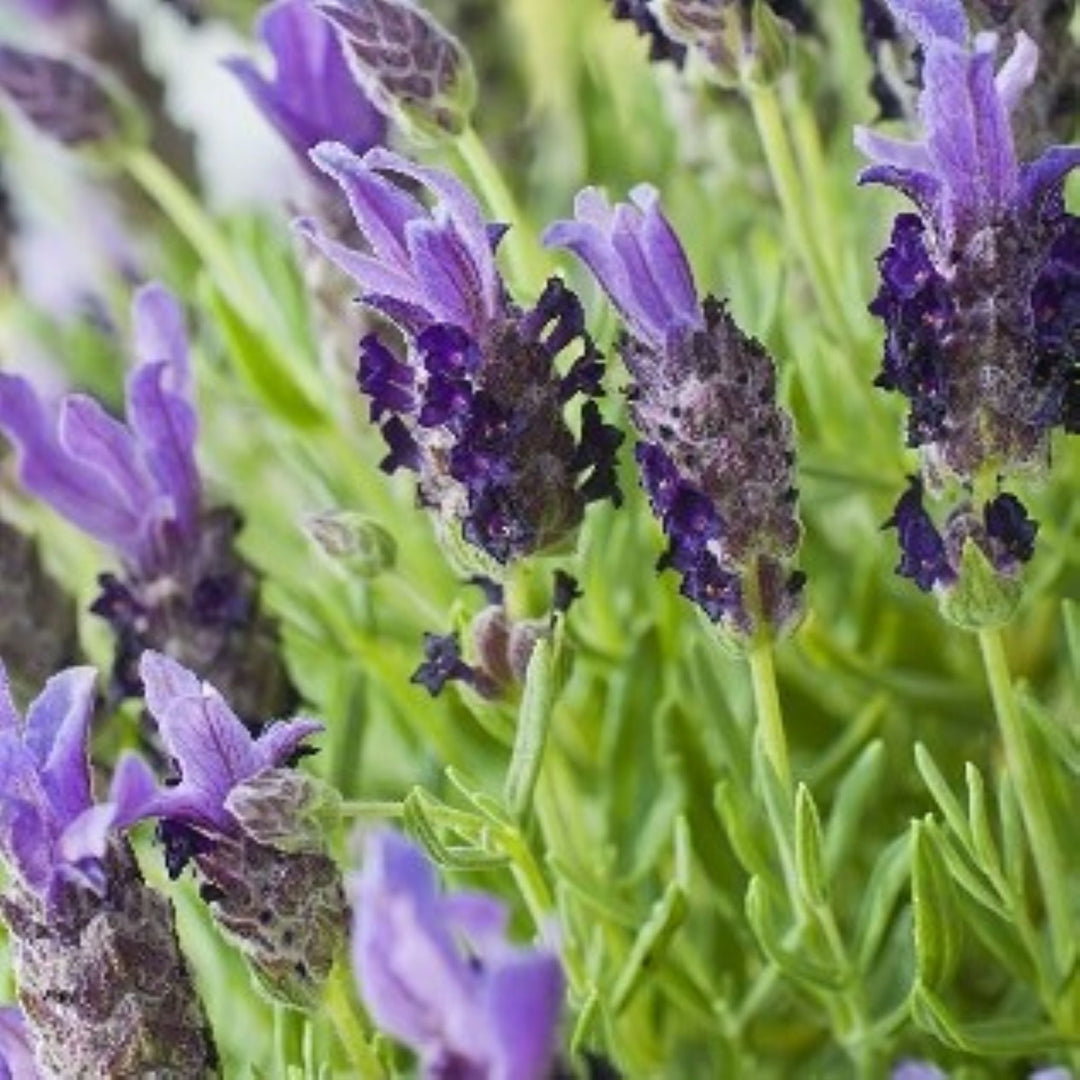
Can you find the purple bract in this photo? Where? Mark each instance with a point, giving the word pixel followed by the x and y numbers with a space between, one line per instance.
pixel 435 971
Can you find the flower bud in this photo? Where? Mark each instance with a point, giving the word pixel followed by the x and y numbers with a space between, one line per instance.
pixel 412 68
pixel 359 543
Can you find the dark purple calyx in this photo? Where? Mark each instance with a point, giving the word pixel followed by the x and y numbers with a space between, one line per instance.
pixel 483 425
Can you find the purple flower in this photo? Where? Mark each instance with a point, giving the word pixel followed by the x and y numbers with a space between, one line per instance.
pixel 211 749
pixel 475 405
pixel 436 972
pixel 16 1057
pixel 977 289
pixel 661 47
pixel 715 455
pixel 917 1070
pixel 312 95
pixel 51 832
pixel 246 821
pixel 134 487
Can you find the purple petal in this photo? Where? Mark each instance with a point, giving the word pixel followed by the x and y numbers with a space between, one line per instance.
pixel 281 739
pixel 931 20
pixel 166 427
pixel 160 334
pixel 382 209
pixel 910 156
pixel 479 917
pixel 1043 177
pixel 446 276
pixel 52 474
pixel 1017 73
pixel 56 732
pixel 9 716
pixel 16 1057
pixel 523 996
pixel 667 259
pixel 136 794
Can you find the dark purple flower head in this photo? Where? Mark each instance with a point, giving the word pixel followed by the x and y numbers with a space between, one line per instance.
pixel 436 972
pixel 312 95
pixel 476 404
pixel 51 833
pixel 715 456
pixel 133 486
pixel 661 47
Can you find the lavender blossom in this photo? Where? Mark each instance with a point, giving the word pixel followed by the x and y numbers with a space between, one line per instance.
pixel 485 1011
pixel 266 876
pixel 981 327
pixel 312 95
pixel 661 47
pixel 61 100
pixel 136 488
pixel 102 982
pixel 715 455
pixel 475 405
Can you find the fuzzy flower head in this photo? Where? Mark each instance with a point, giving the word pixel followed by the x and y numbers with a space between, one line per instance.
pixel 312 95
pixel 715 455
pixel 51 833
pixel 474 404
pixel 249 825
pixel 436 972
pixel 132 486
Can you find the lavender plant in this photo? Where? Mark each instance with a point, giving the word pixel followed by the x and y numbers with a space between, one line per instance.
pixel 574 518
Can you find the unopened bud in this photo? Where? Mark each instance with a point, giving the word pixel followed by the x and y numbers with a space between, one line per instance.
pixel 285 809
pixel 358 542
pixel 412 68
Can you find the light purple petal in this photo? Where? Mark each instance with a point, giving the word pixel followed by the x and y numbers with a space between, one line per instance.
pixel 56 733
pixel 48 471
pixel 166 427
pixel 523 996
pixel 160 334
pixel 930 20
pixel 911 156
pixel 917 1070
pixel 16 1057
pixel 667 259
pixel 136 794
pixel 446 276
pixel 1043 177
pixel 97 441
pixel 280 740
pixel 477 915
pixel 382 209
pixel 1017 73
pixel 9 716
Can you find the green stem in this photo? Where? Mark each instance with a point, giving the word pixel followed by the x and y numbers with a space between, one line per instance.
pixel 529 265
pixel 786 178
pixel 350 1029
pixel 770 718
pixel 1045 849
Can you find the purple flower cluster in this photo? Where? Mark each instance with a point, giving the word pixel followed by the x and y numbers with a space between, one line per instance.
pixel 978 288
pixel 436 971
pixel 716 454
pixel 135 487
pixel 312 95
pixel 475 406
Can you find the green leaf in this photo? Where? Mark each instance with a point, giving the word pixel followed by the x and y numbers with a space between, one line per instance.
pixel 947 802
pixel 257 361
pixel 883 891
pixel 534 721
pixel 937 926
pixel 846 818
pixel 982 833
pixel 779 944
pixel 809 860
pixel 667 915
pixel 970 878
pixel 745 831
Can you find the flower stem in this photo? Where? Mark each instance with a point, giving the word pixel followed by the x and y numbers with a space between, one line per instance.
pixel 784 170
pixel 770 718
pixel 1045 849
pixel 347 1024
pixel 528 262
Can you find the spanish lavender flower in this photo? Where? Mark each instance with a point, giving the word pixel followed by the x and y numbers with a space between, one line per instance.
pixel 60 99
pixel 412 67
pixel 475 406
pixel 313 95
pixel 38 629
pixel 715 455
pixel 136 488
pixel 436 972
pixel 246 825
pixel 16 1057
pixel 103 985
pixel 975 289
